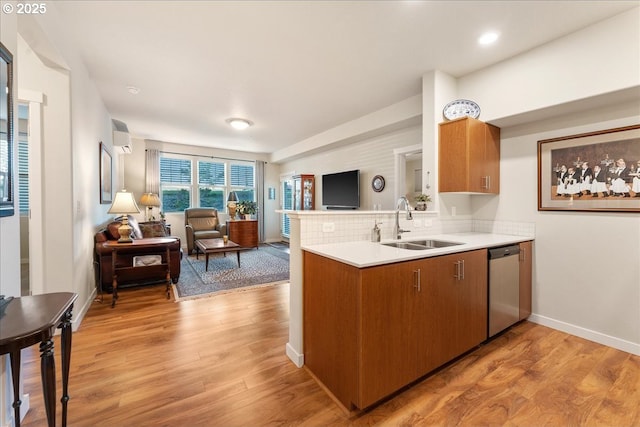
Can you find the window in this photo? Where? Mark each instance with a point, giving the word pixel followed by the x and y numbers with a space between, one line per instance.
pixel 206 185
pixel 287 204
pixel 211 185
pixel 175 184
pixel 23 173
pixel 242 181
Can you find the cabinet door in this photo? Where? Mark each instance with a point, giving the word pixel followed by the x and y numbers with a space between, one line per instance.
pixel 453 170
pixel 491 160
pixel 476 156
pixel 388 340
pixel 297 193
pixel 453 307
pixel 308 193
pixel 526 268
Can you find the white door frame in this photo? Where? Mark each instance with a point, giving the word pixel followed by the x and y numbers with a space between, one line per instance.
pixel 36 243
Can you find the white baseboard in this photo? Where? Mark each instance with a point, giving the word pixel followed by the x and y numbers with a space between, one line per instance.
pixel 600 338
pixel 296 358
pixel 24 408
pixel 79 314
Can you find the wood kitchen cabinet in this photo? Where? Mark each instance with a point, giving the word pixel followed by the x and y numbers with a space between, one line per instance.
pixel 304 192
pixel 243 232
pixel 526 270
pixel 368 332
pixel 469 153
pixel 453 311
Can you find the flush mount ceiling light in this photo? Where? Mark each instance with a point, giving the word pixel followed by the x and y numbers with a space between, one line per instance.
pixel 488 38
pixel 238 123
pixel 133 90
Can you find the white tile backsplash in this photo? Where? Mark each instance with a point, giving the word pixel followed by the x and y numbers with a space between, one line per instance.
pixel 356 227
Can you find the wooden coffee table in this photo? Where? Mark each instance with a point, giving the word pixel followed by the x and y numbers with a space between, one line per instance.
pixel 210 246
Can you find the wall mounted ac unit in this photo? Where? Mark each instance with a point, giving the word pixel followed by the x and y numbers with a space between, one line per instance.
pixel 121 138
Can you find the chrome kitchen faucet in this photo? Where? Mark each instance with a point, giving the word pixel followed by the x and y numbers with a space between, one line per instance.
pixel 397 231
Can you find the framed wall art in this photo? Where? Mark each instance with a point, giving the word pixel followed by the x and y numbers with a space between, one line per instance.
pixel 7 195
pixel 106 177
pixel 597 171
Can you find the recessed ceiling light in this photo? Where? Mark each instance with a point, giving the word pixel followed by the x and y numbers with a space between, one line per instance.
pixel 488 38
pixel 238 123
pixel 133 90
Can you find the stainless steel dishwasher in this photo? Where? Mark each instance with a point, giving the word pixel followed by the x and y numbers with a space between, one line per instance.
pixel 504 288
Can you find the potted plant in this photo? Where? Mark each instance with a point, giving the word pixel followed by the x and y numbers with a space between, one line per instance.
pixel 421 202
pixel 246 208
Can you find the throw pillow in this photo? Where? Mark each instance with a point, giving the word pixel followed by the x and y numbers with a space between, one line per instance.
pixel 153 229
pixel 112 230
pixel 202 224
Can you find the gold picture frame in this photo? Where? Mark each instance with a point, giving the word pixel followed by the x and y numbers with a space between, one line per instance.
pixel 597 171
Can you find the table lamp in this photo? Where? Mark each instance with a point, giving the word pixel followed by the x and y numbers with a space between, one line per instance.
pixel 124 204
pixel 231 204
pixel 150 200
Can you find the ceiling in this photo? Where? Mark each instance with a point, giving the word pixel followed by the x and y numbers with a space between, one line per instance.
pixel 294 68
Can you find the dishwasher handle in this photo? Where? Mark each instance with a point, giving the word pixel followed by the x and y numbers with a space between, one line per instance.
pixel 504 251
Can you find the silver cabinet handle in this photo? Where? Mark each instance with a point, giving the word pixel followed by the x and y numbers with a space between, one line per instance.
pixel 416 279
pixel 489 182
pixel 459 274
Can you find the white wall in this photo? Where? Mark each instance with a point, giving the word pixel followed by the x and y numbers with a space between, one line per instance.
pixel 373 156
pixel 587 265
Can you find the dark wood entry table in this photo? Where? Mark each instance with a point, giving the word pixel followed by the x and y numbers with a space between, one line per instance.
pixel 31 320
pixel 151 245
pixel 210 246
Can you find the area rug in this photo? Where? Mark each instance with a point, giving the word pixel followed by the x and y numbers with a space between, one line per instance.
pixel 265 266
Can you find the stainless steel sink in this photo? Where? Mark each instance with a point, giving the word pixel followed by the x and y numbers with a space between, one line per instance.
pixel 406 245
pixel 421 245
pixel 434 243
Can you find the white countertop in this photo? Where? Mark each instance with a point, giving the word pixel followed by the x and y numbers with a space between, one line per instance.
pixel 367 254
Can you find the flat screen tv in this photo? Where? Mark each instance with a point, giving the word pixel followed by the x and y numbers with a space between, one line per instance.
pixel 341 190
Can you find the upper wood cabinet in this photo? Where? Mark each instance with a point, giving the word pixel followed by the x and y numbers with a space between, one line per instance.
pixel 304 192
pixel 469 157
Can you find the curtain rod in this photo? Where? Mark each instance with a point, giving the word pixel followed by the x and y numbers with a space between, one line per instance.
pixel 198 155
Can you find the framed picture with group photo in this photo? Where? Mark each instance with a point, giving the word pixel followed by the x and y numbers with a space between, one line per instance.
pixel 106 178
pixel 596 171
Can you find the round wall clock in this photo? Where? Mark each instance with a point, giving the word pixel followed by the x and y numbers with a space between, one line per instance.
pixel 461 108
pixel 377 183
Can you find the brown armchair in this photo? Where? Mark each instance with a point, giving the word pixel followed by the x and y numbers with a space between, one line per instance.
pixel 202 223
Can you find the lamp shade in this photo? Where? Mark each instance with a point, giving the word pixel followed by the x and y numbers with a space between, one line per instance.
pixel 150 199
pixel 123 203
pixel 233 197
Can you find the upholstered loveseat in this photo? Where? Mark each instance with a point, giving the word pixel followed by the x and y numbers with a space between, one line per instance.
pixel 202 223
pixel 103 256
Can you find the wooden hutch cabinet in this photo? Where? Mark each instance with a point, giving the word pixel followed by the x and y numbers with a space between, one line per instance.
pixel 304 193
pixel 469 153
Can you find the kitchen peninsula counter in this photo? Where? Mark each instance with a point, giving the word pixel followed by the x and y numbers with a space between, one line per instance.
pixel 368 254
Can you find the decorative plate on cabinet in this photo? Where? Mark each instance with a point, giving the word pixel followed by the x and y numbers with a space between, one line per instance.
pixel 461 108
pixel 377 183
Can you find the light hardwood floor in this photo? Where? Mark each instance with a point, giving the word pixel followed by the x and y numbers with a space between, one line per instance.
pixel 220 362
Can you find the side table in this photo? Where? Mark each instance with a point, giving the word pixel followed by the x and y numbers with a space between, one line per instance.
pixel 153 245
pixel 31 320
